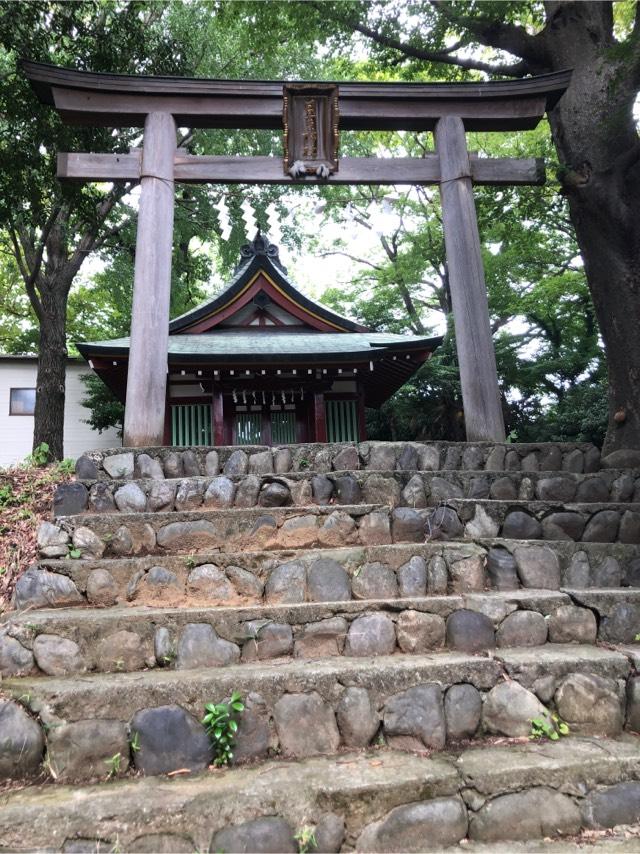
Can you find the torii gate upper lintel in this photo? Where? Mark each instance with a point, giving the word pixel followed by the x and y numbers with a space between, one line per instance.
pixel 311 115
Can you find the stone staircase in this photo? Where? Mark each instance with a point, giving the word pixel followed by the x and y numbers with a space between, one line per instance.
pixel 394 616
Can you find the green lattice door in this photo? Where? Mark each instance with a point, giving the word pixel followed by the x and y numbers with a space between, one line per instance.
pixel 191 424
pixel 283 427
pixel 248 428
pixel 342 420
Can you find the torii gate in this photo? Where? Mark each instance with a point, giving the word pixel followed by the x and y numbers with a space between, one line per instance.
pixel 310 116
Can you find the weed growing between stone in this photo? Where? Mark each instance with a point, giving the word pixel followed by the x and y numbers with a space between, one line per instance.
pixel 552 728
pixel 134 742
pixel 113 765
pixel 306 839
pixel 221 723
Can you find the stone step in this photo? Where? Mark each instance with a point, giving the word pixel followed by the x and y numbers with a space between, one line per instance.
pixel 67 641
pixel 119 463
pixel 369 801
pixel 108 534
pixel 414 702
pixel 397 489
pixel 72 641
pixel 246 576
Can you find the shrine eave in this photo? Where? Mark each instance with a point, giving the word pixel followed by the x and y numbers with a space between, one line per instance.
pixel 120 100
pixel 249 347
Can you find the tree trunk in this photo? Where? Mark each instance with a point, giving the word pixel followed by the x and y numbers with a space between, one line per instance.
pixel 596 138
pixel 52 363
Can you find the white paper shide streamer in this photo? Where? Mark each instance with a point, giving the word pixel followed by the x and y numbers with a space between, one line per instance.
pixel 249 218
pixel 273 224
pixel 223 218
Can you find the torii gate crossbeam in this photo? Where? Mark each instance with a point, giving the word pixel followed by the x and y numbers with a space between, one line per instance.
pixel 159 104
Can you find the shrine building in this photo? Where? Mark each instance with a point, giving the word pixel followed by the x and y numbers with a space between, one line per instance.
pixel 262 364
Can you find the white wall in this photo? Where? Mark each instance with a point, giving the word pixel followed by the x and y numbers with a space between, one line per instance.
pixel 16 431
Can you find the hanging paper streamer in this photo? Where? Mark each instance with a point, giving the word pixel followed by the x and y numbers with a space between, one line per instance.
pixel 223 218
pixel 249 218
pixel 273 224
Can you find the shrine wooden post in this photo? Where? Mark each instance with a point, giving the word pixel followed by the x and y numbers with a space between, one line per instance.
pixel 144 413
pixel 310 116
pixel 474 343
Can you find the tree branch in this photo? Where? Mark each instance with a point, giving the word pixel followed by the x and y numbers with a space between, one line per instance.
pixel 517 69
pixel 89 239
pixel 351 258
pixel 29 276
pixel 498 34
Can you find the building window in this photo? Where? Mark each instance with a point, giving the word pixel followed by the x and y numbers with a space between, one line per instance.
pixel 22 401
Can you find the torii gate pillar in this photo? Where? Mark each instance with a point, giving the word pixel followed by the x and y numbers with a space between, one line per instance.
pixel 148 361
pixel 476 357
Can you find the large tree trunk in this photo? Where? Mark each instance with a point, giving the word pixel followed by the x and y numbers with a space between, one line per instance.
pixel 597 142
pixel 52 362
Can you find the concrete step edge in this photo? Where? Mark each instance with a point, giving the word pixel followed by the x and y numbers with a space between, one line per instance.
pixel 350 793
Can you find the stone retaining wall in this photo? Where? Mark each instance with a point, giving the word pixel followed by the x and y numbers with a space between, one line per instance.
pixel 125 464
pixel 244 578
pixel 473 623
pixel 489 795
pixel 98 535
pixel 298 712
pixel 404 489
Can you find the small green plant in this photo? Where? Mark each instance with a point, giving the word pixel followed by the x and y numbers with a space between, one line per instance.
pixel 39 456
pixel 222 726
pixel 134 742
pixel 66 466
pixel 190 562
pixel 306 839
pixel 113 764
pixel 552 728
pixel 304 463
pixel 637 637
pixel 74 553
pixel 7 498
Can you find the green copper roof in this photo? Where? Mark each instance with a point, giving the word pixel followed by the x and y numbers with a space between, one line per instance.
pixel 252 345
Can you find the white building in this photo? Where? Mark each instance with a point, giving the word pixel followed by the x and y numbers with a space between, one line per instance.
pixel 17 399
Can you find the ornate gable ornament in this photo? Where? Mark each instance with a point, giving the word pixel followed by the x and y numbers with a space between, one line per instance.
pixel 260 245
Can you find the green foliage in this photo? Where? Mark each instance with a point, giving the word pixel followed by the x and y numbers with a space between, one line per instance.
pixel 113 765
pixel 552 728
pixel 74 553
pixel 7 496
pixel 66 466
pixel 39 457
pixel 106 410
pixel 134 741
pixel 306 839
pixel 220 721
